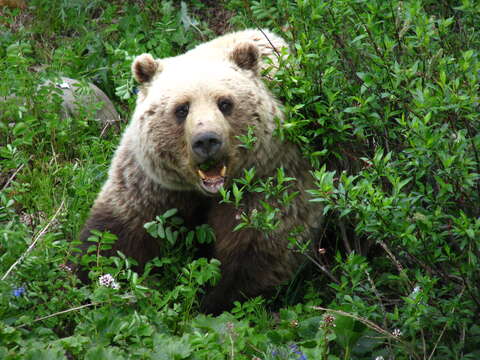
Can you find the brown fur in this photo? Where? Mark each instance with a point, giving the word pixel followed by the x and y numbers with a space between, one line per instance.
pixel 154 168
pixel 246 56
pixel 144 68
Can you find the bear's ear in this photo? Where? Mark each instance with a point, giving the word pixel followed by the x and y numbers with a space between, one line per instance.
pixel 246 56
pixel 144 67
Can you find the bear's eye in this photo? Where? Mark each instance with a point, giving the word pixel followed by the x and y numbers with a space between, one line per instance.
pixel 225 106
pixel 181 112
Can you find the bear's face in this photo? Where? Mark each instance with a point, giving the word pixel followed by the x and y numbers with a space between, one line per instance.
pixel 190 113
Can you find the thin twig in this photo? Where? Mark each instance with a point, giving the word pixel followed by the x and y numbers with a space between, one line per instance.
pixel 364 321
pixel 390 254
pixel 72 309
pixel 61 312
pixel 387 250
pixel 266 37
pixel 444 328
pixel 343 231
pixel 424 345
pixel 322 268
pixel 102 133
pixel 371 325
pixel 13 176
pixel 34 242
pixel 379 297
pixel 382 306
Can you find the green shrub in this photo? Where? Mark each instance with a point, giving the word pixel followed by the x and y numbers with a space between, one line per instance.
pixel 384 99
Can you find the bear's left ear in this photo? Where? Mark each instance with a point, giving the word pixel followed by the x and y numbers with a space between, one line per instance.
pixel 144 67
pixel 246 56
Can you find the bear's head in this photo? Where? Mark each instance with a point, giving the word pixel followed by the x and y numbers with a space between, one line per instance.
pixel 191 110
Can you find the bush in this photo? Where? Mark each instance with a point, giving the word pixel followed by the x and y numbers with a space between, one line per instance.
pixel 384 99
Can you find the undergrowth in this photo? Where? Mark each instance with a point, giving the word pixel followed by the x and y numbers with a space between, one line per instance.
pixel 381 96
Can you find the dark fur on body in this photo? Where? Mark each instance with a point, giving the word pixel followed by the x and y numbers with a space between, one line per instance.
pixel 252 263
pixel 153 169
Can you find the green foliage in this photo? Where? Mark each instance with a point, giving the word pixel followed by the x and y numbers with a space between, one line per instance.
pixel 381 96
pixel 249 139
pixel 275 196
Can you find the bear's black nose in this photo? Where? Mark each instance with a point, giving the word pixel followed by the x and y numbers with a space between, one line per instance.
pixel 206 145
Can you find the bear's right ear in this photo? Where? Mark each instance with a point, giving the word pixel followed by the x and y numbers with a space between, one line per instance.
pixel 144 67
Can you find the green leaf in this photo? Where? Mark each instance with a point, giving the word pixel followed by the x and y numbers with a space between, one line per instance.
pixel 348 331
pixel 169 236
pixel 99 352
pixel 171 347
pixel 169 213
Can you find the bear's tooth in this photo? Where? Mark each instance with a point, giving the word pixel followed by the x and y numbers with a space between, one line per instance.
pixel 202 174
pixel 223 171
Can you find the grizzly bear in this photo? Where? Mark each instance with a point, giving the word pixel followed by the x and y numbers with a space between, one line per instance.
pixel 190 111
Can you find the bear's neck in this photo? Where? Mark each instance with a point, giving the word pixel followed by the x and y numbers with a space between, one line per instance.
pixel 133 191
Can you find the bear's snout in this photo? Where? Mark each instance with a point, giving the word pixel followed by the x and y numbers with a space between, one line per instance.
pixel 206 146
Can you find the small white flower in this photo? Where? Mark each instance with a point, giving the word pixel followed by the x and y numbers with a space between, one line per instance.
pixel 115 286
pixel 415 292
pixel 64 85
pixel 397 333
pixel 65 267
pixel 108 281
pixel 379 358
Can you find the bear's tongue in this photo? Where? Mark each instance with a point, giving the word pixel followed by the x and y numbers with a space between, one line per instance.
pixel 213 179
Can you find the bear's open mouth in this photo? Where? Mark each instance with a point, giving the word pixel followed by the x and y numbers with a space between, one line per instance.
pixel 213 179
